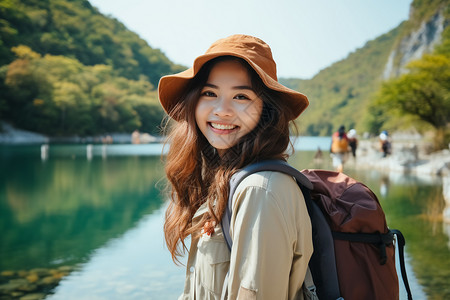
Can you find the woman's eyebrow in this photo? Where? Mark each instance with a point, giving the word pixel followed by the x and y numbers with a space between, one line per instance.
pixel 243 87
pixel 211 85
pixel 238 87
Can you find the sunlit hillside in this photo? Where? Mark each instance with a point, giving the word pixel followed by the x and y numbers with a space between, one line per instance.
pixel 67 69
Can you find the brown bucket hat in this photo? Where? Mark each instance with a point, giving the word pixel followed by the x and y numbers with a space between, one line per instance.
pixel 254 51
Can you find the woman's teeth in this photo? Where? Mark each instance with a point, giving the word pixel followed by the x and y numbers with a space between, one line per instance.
pixel 223 126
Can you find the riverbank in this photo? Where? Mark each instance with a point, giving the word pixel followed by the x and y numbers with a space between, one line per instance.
pixel 408 157
pixel 410 153
pixel 12 135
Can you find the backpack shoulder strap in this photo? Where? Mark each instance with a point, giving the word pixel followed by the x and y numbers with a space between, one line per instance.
pixel 236 179
pixel 401 246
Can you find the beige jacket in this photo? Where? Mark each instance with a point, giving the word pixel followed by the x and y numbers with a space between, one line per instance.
pixel 272 244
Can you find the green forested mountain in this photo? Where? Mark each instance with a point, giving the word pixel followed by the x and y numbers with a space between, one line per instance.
pixel 344 92
pixel 75 29
pixel 67 69
pixel 339 94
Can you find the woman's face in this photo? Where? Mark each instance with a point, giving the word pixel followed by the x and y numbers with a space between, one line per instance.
pixel 228 107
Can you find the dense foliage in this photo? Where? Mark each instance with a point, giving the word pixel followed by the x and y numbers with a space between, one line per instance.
pixel 67 69
pixel 422 94
pixel 76 29
pixel 59 95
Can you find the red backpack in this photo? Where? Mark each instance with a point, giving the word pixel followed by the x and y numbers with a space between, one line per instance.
pixel 354 253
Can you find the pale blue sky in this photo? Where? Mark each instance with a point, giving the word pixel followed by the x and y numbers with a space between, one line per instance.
pixel 305 36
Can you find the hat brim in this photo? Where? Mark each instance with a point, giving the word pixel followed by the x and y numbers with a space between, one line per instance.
pixel 172 87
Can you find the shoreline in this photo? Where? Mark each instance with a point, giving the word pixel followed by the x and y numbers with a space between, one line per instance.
pixel 409 152
pixel 14 136
pixel 408 157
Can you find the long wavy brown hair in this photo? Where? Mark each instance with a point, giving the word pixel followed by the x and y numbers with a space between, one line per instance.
pixel 197 174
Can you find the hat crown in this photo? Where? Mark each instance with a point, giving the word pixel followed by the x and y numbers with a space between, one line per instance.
pixel 250 48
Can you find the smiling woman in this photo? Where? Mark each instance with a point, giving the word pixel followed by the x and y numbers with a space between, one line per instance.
pixel 231 111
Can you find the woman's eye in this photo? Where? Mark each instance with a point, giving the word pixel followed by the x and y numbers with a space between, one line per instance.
pixel 242 97
pixel 208 94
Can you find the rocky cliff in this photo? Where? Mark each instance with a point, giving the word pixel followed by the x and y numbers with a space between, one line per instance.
pixel 416 43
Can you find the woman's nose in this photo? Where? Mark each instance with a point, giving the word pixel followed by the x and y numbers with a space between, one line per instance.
pixel 223 107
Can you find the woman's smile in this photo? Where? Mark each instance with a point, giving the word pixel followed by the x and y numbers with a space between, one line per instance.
pixel 223 128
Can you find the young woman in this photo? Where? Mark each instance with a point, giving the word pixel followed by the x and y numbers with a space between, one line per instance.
pixel 230 111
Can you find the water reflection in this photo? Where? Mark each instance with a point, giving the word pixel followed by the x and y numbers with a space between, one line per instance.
pixel 104 215
pixel 384 186
pixel 416 212
pixel 446 212
pixel 129 267
pixel 60 210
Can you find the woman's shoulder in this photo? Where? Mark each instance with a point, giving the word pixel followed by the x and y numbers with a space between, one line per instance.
pixel 267 190
pixel 272 182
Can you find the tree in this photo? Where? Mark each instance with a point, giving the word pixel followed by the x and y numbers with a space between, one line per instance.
pixel 58 95
pixel 423 93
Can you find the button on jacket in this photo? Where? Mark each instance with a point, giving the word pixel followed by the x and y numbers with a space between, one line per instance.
pixel 272 244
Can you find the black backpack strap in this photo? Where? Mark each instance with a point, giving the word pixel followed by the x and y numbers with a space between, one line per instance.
pixel 323 261
pixel 401 246
pixel 379 239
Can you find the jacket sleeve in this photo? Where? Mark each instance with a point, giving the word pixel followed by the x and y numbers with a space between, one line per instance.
pixel 266 246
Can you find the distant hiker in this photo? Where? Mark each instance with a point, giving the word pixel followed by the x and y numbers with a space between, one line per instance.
pixel 339 148
pixel 385 143
pixel 352 141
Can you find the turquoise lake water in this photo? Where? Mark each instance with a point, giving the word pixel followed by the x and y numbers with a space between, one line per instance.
pixel 100 211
